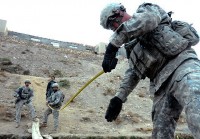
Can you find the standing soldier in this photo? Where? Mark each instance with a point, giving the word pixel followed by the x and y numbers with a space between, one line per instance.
pixel 159 49
pixel 49 86
pixel 24 96
pixel 54 102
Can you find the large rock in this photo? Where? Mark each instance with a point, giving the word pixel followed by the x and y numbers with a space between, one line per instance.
pixel 7 65
pixel 5 61
pixel 12 68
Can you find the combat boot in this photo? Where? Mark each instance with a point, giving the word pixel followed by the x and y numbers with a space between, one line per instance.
pixel 17 125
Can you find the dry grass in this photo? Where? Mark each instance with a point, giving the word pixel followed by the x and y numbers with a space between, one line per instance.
pixel 46 71
pixel 97 84
pixel 90 111
pixel 3 74
pixel 6 113
pixel 3 77
pixel 5 61
pixel 112 81
pixel 85 119
pixel 142 92
pixel 132 117
pixel 109 91
pixel 2 110
pixel 64 83
pixel 118 121
pixel 144 129
pixel 57 73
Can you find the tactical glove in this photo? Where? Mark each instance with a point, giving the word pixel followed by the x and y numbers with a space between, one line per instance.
pixel 114 109
pixel 110 61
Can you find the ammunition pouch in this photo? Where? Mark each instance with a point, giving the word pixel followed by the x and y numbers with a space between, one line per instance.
pixel 166 40
pixel 146 61
pixel 129 47
pixel 186 31
pixel 25 96
pixel 157 47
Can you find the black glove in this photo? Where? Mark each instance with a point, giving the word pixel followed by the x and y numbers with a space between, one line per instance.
pixel 110 61
pixel 28 101
pixel 114 109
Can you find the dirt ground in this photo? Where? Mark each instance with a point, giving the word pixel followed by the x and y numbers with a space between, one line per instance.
pixel 85 115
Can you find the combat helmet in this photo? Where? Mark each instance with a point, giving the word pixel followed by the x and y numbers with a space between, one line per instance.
pixel 109 13
pixel 27 81
pixel 55 85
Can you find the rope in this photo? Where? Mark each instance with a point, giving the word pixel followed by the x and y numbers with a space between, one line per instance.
pixel 81 89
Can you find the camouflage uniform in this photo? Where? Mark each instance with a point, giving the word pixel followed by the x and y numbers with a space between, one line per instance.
pixel 25 97
pixel 49 88
pixel 175 84
pixel 55 99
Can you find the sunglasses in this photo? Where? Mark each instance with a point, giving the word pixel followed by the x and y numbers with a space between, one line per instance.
pixel 112 19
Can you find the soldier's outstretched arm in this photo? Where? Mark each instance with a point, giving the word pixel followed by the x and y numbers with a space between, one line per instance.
pixel 127 85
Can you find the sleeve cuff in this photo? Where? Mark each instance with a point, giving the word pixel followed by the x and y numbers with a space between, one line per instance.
pixel 121 96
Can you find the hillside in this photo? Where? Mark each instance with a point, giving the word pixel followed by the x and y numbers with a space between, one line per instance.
pixel 84 117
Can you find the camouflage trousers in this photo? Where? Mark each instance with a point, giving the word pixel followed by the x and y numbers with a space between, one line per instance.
pixel 19 106
pixel 181 92
pixel 55 116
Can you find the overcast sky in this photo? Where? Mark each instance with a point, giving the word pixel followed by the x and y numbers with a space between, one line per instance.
pixel 78 20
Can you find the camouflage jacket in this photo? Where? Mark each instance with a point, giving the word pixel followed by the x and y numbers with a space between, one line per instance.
pixel 24 93
pixel 56 98
pixel 146 19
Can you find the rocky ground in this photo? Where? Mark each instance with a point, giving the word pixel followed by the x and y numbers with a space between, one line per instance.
pixel 84 117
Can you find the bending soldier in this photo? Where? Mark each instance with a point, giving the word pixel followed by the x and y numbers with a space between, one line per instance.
pixel 160 49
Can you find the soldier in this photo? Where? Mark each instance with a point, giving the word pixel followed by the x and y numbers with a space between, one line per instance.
pixel 160 49
pixel 24 96
pixel 54 101
pixel 49 86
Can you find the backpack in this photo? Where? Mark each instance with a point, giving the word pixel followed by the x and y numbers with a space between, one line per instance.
pixel 186 31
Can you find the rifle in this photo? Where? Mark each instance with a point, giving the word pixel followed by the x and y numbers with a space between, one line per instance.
pixel 17 100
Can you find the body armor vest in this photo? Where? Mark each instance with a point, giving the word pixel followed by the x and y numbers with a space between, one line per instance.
pixel 146 61
pixel 25 93
pixel 166 40
pixel 153 50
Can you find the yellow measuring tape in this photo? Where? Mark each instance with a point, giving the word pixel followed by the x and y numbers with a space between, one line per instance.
pixel 81 89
